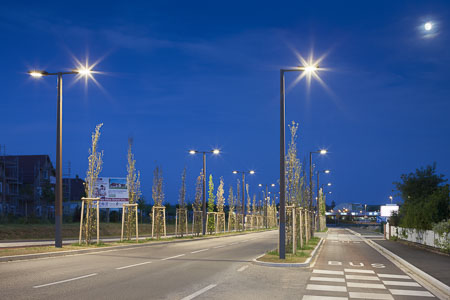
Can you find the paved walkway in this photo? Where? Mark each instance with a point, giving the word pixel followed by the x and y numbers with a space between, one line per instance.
pixel 434 264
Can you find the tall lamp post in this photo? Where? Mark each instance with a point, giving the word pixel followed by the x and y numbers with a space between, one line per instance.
pixel 266 200
pixel 58 184
pixel 311 196
pixel 282 233
pixel 214 151
pixel 317 174
pixel 243 193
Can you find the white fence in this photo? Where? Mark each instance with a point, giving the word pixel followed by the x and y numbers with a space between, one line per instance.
pixel 424 237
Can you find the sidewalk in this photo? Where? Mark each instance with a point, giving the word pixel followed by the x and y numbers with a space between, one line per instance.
pixel 434 264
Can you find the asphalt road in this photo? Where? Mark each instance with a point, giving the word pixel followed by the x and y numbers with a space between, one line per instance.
pixel 211 269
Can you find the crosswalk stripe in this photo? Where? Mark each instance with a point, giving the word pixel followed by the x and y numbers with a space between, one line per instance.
pixel 310 297
pixel 359 271
pixel 361 277
pixel 401 283
pixel 332 288
pixel 330 279
pixel 366 285
pixel 410 293
pixel 328 272
pixel 370 296
pixel 393 276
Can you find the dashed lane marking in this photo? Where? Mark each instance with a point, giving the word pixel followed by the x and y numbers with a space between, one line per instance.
pixel 242 268
pixel 332 288
pixel 401 283
pixel 135 265
pixel 217 247
pixel 411 293
pixel 370 296
pixel 328 279
pixel 328 272
pixel 366 285
pixel 63 281
pixel 167 258
pixel 199 292
pixel 200 250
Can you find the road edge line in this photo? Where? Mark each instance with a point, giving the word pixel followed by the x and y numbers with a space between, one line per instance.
pixel 440 289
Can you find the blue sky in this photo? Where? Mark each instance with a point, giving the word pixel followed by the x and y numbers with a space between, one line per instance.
pixel 203 74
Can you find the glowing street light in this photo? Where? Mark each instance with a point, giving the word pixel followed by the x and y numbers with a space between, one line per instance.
pixel 215 152
pixel 243 193
pixel 321 152
pixel 266 200
pixel 428 26
pixel 317 177
pixel 58 184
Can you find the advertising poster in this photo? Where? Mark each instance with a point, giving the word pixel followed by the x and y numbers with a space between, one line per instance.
pixel 112 191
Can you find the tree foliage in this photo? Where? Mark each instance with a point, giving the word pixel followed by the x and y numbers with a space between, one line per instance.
pixel 198 193
pixel 425 197
pixel 134 189
pixel 182 196
pixel 211 198
pixel 220 198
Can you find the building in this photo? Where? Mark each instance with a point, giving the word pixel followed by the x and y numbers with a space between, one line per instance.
pixel 73 191
pixel 9 185
pixel 32 180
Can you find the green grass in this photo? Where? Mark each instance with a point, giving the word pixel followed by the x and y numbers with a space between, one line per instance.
pixel 300 256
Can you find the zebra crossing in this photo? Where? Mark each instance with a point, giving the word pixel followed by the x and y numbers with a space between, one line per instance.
pixel 362 284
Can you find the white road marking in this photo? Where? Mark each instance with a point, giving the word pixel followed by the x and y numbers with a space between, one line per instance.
pixel 393 276
pixel 172 257
pixel 361 277
pixel 332 288
pixel 62 281
pixel 401 283
pixel 221 246
pixel 359 271
pixel 233 244
pixel 370 296
pixel 328 272
pixel 242 268
pixel 200 250
pixel 330 279
pixel 308 297
pixel 366 285
pixel 197 293
pixel 411 293
pixel 135 265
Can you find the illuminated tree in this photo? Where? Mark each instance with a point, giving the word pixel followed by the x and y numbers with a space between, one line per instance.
pixel 220 203
pixel 211 198
pixel 197 206
pixel 158 198
pixel 134 189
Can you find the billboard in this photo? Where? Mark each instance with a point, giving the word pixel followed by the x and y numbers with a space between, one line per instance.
pixel 112 191
pixel 387 210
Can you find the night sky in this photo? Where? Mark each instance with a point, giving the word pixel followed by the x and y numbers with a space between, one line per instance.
pixel 204 74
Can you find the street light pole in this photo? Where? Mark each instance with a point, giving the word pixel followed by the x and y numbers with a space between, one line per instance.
pixel 215 151
pixel 282 212
pixel 243 194
pixel 58 184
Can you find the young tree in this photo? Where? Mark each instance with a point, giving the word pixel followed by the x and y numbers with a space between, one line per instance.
pixel 220 203
pixel 158 199
pixel 197 206
pixel 134 188
pixel 182 212
pixel 211 198
pixel 231 200
pixel 94 168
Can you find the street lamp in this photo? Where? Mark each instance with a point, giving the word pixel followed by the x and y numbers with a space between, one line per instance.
pixel 321 152
pixel 266 200
pixel 243 193
pixel 216 152
pixel 308 70
pixel 58 185
pixel 317 174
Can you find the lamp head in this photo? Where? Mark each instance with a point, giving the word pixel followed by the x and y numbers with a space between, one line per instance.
pixel 329 184
pixel 260 184
pixel 323 151
pixel 83 71
pixel 216 151
pixel 252 172
pixel 327 171
pixel 235 172
pixel 192 152
pixel 273 184
pixel 37 74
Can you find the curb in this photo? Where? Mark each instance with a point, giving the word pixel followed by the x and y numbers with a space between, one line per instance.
pixel 441 290
pixel 307 263
pixel 111 248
